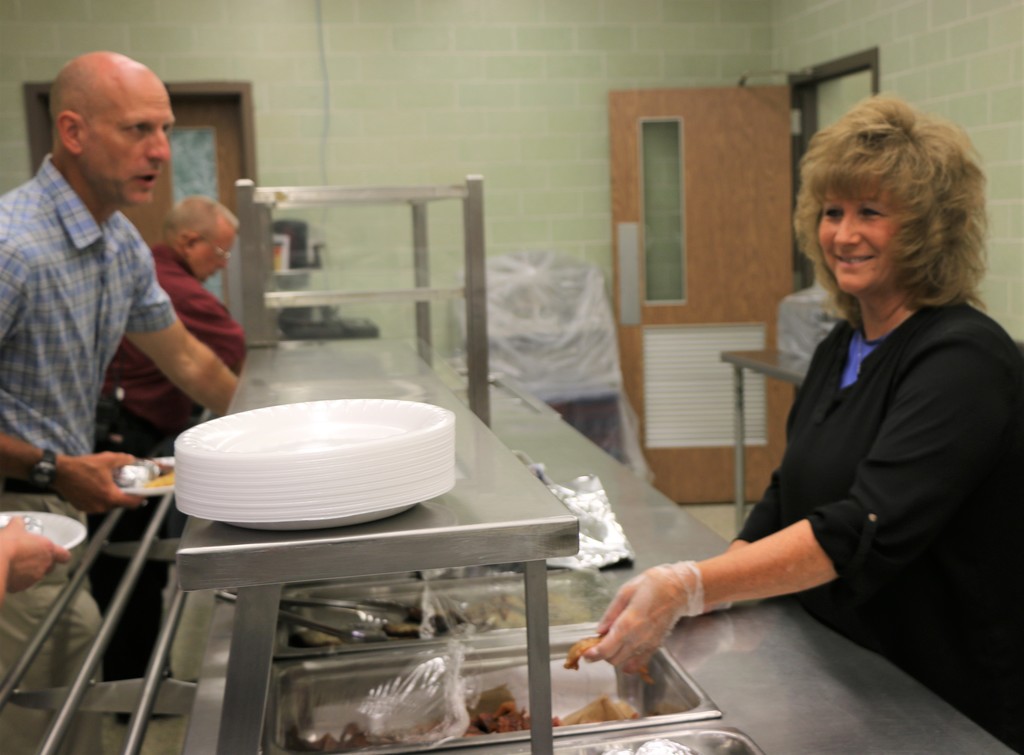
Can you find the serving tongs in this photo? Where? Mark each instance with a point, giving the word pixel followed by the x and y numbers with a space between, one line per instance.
pixel 369 611
pixel 365 632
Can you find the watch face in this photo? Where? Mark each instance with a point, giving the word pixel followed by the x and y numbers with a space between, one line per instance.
pixel 45 470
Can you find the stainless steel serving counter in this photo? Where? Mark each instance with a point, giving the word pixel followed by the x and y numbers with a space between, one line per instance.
pixel 497 513
pixel 778 676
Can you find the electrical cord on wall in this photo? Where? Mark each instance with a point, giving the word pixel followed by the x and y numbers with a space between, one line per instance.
pixel 325 129
pixel 325 79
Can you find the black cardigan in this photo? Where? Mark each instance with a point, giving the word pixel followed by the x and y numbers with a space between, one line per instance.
pixel 913 481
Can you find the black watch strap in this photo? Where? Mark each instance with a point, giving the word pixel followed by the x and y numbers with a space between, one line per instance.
pixel 44 471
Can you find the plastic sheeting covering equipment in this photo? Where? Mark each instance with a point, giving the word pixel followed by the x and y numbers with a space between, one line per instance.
pixel 551 328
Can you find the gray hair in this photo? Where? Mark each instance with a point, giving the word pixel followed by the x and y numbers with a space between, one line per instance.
pixel 196 213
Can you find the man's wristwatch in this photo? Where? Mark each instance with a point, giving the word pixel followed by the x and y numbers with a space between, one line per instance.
pixel 44 471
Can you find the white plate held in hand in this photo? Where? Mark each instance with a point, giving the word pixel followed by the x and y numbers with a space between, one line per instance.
pixel 63 530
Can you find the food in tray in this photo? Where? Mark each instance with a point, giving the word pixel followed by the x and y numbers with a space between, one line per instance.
pixel 496 712
pixel 484 612
pixel 572 658
pixel 506 717
pixel 351 738
pixel 599 711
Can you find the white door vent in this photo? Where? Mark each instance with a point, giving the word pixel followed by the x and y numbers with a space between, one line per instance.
pixel 688 389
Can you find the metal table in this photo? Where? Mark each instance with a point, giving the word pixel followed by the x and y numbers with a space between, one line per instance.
pixel 498 512
pixel 773 364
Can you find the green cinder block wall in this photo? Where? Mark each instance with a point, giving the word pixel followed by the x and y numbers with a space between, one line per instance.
pixel 386 92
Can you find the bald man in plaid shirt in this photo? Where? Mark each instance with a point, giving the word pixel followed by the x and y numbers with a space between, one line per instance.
pixel 75 276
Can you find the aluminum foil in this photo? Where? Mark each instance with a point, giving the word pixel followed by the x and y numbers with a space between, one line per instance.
pixel 602 540
pixel 138 474
pixel 32 524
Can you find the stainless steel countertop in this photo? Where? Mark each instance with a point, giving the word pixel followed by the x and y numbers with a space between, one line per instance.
pixel 779 676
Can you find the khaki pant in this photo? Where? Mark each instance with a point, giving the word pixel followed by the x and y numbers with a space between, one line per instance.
pixel 22 729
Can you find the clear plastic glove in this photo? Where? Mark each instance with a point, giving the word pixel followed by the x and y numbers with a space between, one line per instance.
pixel 644 611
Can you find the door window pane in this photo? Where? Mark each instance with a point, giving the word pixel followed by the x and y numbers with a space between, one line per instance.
pixel 661 147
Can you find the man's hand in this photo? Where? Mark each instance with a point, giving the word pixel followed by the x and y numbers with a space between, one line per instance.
pixel 87 482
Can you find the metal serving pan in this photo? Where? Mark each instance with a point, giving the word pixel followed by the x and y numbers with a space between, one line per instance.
pixel 489 602
pixel 698 740
pixel 312 698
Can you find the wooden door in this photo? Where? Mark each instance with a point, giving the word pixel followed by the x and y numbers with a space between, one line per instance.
pixel 732 207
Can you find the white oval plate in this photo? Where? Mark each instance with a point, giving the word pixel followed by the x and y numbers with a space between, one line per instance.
pixel 314 429
pixel 63 530
pixel 317 524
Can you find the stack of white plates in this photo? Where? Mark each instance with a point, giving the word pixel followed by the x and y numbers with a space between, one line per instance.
pixel 315 464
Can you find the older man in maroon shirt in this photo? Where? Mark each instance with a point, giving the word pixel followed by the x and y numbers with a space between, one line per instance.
pixel 198 234
pixel 151 411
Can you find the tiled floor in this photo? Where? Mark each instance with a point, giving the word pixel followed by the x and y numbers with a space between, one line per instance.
pixel 165 735
pixel 721 517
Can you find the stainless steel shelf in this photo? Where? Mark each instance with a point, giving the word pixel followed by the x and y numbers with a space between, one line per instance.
pixel 498 512
pixel 248 272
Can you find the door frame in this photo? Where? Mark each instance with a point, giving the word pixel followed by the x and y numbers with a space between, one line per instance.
pixel 804 102
pixel 37 116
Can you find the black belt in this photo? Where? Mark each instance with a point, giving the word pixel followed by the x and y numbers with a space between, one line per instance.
pixel 23 486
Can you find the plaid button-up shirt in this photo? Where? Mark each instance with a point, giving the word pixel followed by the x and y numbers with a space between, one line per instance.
pixel 69 289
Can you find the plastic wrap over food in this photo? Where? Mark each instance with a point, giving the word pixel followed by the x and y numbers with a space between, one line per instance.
pixel 431 689
pixel 602 539
pixel 442 614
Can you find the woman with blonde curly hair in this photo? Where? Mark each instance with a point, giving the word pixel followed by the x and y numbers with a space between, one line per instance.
pixel 896 515
pixel 927 168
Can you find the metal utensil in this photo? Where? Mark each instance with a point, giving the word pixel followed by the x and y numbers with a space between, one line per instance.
pixel 377 614
pixel 364 633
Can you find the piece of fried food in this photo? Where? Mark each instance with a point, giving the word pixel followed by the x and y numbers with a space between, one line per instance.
pixel 159 482
pixel 572 658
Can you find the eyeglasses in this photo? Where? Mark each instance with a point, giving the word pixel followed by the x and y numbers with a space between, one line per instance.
pixel 224 254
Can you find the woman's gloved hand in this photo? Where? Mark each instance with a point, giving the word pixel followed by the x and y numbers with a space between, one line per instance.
pixel 644 611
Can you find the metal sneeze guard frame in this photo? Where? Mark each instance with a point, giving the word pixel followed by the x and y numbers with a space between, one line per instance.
pixel 247 272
